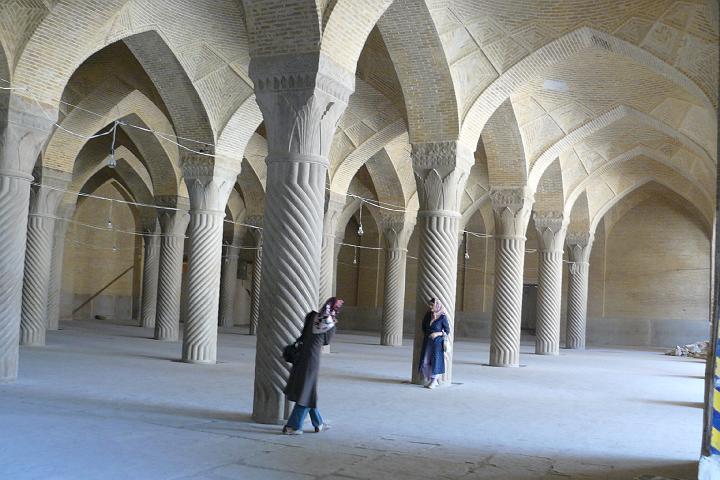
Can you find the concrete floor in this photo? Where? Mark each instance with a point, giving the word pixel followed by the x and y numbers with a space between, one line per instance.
pixel 103 401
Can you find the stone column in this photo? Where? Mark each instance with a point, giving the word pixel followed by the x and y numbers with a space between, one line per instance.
pixel 579 246
pixel 24 128
pixel 44 202
pixel 151 265
pixel 511 209
pixel 551 228
pixel 56 270
pixel 397 233
pixel 302 98
pixel 335 205
pixel 209 187
pixel 256 233
pixel 440 173
pixel 173 224
pixel 229 280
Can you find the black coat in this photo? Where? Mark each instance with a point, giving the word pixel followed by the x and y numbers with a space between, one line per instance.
pixel 301 387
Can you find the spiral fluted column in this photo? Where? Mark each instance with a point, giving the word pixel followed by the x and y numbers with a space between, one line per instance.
pixel 24 128
pixel 209 189
pixel 579 246
pixel 151 265
pixel 397 234
pixel 228 286
pixel 44 201
pixel 335 205
pixel 173 225
pixel 551 228
pixel 301 97
pixel 255 301
pixel 511 209
pixel 56 270
pixel 256 233
pixel 440 173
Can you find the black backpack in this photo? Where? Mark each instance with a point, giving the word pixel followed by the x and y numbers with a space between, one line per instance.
pixel 291 353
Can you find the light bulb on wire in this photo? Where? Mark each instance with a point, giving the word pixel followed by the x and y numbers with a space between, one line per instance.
pixel 360 231
pixel 109 220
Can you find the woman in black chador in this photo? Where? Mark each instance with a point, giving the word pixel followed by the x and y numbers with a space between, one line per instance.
pixel 432 357
pixel 302 385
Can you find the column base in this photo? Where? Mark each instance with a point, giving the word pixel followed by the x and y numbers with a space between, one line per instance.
pixel 168 339
pixel 505 365
pixel 32 339
pixel 268 420
pixel 547 352
pixel 199 362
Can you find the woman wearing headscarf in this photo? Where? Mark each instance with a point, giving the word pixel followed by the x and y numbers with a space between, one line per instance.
pixel 432 358
pixel 302 385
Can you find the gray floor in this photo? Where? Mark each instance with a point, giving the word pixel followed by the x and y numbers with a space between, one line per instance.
pixel 103 401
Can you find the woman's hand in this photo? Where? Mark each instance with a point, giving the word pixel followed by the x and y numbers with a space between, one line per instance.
pixel 434 335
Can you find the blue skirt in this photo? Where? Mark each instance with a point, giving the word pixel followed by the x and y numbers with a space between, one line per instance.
pixel 432 357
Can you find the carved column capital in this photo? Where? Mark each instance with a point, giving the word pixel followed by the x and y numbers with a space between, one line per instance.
pixel 45 198
pixel 209 185
pixel 551 228
pixel 333 210
pixel 511 209
pixel 397 231
pixel 255 221
pixel 441 170
pixel 174 222
pixel 28 127
pixel 579 245
pixel 301 98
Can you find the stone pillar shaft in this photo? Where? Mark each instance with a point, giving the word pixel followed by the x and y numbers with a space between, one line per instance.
pixel 579 246
pixel 394 306
pixel 151 265
pixel 173 225
pixel 14 202
pixel 255 301
pixel 229 285
pixel 209 187
pixel 335 206
pixel 37 280
pixel 56 272
pixel 511 209
pixel 397 235
pixel 551 230
pixel 24 127
pixel 200 337
pixel 44 201
pixel 302 98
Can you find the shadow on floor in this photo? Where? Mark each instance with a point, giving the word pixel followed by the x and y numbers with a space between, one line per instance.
pixel 677 403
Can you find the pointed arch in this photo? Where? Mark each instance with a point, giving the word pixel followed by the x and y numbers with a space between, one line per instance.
pixel 576 42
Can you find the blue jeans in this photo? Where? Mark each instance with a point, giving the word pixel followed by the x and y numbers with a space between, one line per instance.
pixel 297 417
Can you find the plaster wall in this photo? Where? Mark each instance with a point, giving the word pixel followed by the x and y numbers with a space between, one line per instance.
pixel 97 280
pixel 649 278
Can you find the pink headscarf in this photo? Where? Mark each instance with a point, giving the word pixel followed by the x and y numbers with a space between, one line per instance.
pixel 437 309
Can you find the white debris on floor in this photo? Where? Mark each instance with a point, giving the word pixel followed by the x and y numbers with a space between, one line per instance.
pixel 693 350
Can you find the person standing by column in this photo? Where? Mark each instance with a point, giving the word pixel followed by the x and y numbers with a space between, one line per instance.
pixel 302 385
pixel 435 326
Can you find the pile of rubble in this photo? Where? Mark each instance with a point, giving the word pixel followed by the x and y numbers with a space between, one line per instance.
pixel 693 350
